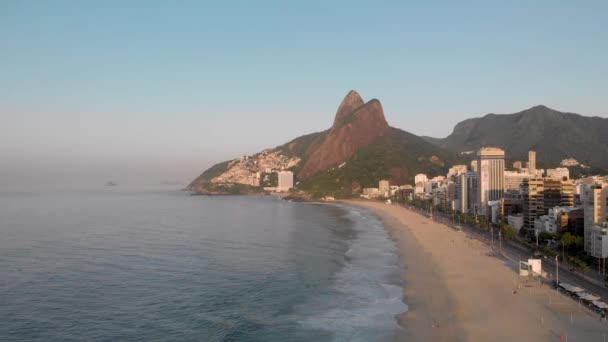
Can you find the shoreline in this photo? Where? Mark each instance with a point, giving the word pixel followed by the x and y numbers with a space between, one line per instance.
pixel 455 292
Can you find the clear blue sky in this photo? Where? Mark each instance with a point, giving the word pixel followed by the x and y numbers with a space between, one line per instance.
pixel 110 88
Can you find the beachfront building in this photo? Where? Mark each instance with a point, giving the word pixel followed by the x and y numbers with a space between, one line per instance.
pixel 599 244
pixel 384 188
pixel 491 166
pixel 515 221
pixel 466 192
pixel 285 181
pixel 532 201
pixel 595 201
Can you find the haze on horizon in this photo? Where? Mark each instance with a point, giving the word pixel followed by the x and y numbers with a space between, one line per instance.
pixel 145 91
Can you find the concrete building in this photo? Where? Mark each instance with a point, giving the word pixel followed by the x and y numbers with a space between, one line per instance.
pixel 559 173
pixel 512 203
pixel 595 201
pixel 532 201
pixel 474 166
pixel 599 244
pixel 491 166
pixel 514 180
pixel 544 224
pixel 420 178
pixel 557 193
pixel 384 188
pixel 456 170
pixel 518 165
pixel 285 181
pixel 532 162
pixel 515 221
pixel 466 192
pixel 371 192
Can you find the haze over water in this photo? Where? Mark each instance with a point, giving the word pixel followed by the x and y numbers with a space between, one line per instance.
pixel 163 265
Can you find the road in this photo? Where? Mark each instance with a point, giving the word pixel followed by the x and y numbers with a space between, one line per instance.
pixel 516 252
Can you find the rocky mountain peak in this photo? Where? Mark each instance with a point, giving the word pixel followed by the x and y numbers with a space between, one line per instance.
pixel 356 125
pixel 351 101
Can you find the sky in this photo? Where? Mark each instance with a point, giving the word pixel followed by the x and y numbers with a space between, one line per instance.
pixel 139 92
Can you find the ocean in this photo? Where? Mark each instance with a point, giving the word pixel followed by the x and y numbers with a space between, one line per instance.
pixel 114 265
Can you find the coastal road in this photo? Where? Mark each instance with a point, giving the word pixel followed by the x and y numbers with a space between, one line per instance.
pixel 516 252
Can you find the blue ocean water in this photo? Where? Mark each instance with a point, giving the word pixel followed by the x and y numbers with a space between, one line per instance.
pixel 167 266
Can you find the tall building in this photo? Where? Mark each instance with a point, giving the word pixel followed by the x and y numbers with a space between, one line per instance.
pixel 595 207
pixel 384 188
pixel 532 162
pixel 491 171
pixel 285 181
pixel 474 166
pixel 466 192
pixel 532 201
pixel 514 180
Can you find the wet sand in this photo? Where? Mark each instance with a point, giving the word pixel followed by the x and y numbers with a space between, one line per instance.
pixel 456 292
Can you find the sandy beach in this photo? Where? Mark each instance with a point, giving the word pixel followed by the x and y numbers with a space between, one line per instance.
pixel 456 292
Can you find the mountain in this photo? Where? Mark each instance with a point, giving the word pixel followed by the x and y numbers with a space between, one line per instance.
pixel 357 151
pixel 357 124
pixel 554 135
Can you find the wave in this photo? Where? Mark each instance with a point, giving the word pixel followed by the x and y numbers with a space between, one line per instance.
pixel 365 295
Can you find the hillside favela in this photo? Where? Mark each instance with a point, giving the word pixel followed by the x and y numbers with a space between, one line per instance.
pixel 302 171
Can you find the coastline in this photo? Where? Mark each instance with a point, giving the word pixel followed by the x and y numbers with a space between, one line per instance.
pixel 455 292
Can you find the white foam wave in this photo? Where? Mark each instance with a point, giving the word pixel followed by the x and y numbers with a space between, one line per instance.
pixel 362 302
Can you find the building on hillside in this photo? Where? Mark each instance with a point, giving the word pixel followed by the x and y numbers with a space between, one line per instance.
pixel 559 173
pixel 532 201
pixel 285 181
pixel 384 188
pixel 532 162
pixel 491 166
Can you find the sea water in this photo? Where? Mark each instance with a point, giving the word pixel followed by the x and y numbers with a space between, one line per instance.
pixel 117 265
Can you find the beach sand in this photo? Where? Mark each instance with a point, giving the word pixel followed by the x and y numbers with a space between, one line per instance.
pixel 456 292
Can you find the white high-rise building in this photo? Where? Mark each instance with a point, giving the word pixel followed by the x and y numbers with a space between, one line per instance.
pixel 285 181
pixel 491 179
